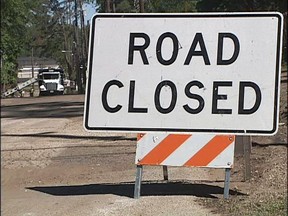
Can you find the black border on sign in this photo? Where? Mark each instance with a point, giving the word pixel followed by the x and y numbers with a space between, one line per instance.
pixel 197 15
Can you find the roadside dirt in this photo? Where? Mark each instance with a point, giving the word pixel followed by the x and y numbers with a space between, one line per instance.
pixel 266 190
pixel 51 166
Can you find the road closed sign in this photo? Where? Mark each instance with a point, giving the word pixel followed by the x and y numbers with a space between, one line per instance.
pixel 186 73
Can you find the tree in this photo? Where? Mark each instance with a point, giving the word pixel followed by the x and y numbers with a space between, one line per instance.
pixel 241 6
pixel 248 6
pixel 50 33
pixel 173 6
pixel 58 31
pixel 155 6
pixel 48 27
pixel 15 17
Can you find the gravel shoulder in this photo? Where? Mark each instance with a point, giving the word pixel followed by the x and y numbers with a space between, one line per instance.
pixel 51 166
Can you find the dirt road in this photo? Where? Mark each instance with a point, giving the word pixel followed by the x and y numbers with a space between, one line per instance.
pixel 51 166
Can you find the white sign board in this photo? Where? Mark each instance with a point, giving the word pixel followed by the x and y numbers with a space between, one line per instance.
pixel 184 73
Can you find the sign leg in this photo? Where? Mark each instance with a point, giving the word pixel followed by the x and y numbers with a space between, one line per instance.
pixel 227 183
pixel 247 152
pixel 137 187
pixel 165 173
pixel 243 149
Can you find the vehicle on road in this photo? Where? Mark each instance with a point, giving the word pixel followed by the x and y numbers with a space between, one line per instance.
pixel 51 81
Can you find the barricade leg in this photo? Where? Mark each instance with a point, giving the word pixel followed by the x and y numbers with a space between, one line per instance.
pixel 165 173
pixel 227 183
pixel 138 181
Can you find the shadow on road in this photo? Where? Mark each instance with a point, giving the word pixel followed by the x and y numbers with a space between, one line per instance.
pixel 60 109
pixel 127 189
pixel 72 137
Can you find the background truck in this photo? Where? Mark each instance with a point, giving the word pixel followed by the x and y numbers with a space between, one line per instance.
pixel 51 81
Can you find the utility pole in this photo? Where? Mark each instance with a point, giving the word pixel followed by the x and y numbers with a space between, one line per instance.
pixel 76 50
pixel 84 52
pixel 32 66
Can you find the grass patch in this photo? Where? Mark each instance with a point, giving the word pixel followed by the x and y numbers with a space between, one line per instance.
pixel 274 207
pixel 265 205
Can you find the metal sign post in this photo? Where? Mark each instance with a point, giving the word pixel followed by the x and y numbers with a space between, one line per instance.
pixel 139 173
pixel 197 150
pixel 165 173
pixel 227 183
pixel 183 74
pixel 243 146
pixel 138 181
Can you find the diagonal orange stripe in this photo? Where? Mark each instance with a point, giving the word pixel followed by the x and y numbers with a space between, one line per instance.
pixel 164 149
pixel 210 151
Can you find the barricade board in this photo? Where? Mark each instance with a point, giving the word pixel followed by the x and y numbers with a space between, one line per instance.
pixel 197 150
pixel 184 73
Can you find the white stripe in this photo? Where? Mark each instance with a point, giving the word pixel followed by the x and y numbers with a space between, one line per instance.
pixel 148 142
pixel 189 148
pixel 224 159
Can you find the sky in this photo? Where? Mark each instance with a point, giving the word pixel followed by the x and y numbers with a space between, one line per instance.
pixel 89 11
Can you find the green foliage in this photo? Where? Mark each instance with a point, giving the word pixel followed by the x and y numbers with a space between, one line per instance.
pixel 49 26
pixel 172 6
pixel 277 207
pixel 8 74
pixel 117 6
pixel 155 6
pixel 125 6
pixel 240 6
pixel 15 16
pixel 248 6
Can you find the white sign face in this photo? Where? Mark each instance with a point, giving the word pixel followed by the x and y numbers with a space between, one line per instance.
pixel 184 73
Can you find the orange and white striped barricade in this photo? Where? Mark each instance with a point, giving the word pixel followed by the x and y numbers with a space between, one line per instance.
pixel 197 150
